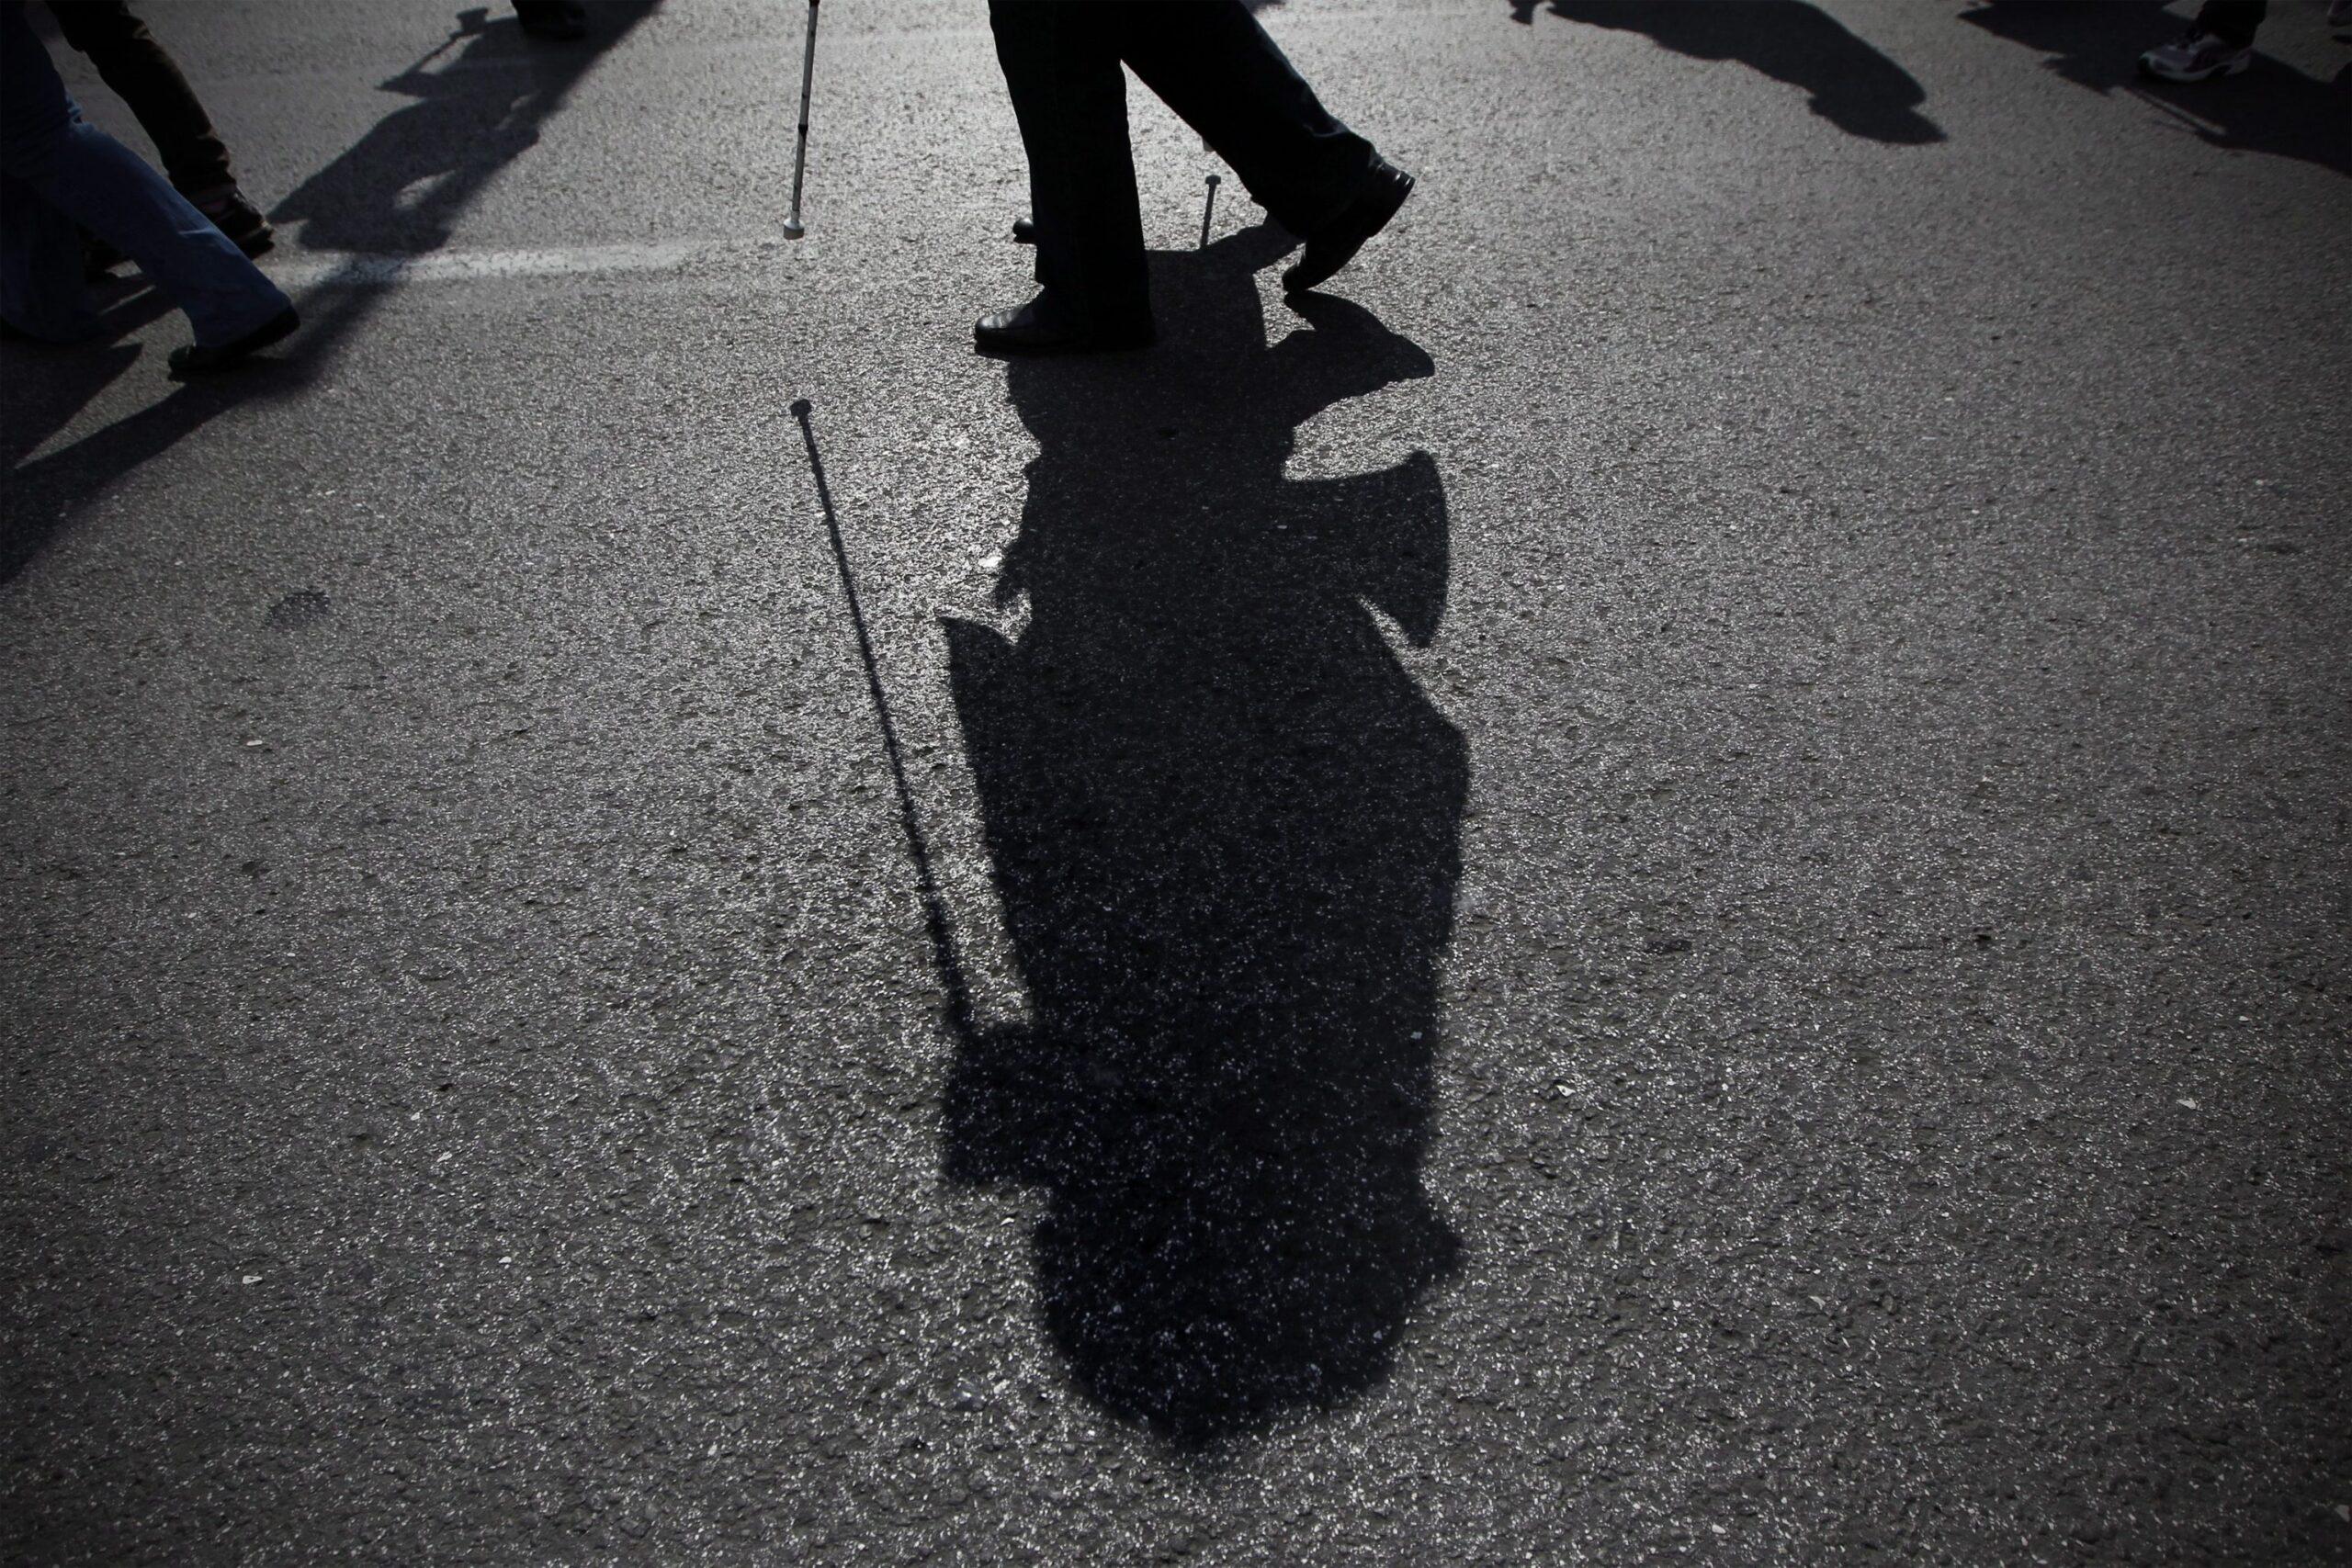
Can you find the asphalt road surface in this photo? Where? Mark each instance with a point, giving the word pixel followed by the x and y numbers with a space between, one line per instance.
pixel 1668 880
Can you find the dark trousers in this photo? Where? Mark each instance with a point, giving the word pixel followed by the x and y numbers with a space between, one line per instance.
pixel 2232 21
pixel 1210 62
pixel 135 67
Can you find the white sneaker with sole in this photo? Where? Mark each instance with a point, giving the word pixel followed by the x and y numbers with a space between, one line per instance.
pixel 2195 56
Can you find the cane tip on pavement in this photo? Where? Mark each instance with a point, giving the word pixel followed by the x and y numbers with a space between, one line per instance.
pixel 793 228
pixel 800 408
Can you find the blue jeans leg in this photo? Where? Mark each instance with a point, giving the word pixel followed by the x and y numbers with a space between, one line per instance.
pixel 41 268
pixel 50 159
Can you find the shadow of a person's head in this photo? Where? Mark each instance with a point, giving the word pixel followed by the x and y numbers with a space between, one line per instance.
pixel 400 188
pixel 1851 84
pixel 1224 828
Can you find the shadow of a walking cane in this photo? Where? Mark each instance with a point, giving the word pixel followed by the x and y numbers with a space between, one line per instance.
pixel 935 909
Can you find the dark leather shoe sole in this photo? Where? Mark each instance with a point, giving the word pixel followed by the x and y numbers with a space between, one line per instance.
pixel 991 338
pixel 203 360
pixel 1329 252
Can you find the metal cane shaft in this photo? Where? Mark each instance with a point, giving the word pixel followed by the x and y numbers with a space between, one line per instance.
pixel 807 76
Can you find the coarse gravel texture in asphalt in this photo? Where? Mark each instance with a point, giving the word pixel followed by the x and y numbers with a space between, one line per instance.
pixel 1670 879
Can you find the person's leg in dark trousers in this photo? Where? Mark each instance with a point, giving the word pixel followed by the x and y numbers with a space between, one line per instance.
pixel 144 76
pixel 138 71
pixel 1217 68
pixel 2234 22
pixel 1062 71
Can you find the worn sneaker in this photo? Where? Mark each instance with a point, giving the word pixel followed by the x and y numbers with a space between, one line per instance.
pixel 2194 56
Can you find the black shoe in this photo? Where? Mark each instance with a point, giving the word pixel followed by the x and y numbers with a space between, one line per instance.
pixel 561 20
pixel 203 358
pixel 1024 231
pixel 1039 328
pixel 1335 244
pixel 237 218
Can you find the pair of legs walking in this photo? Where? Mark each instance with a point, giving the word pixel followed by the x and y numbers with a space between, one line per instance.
pixel 57 171
pixel 142 73
pixel 1215 66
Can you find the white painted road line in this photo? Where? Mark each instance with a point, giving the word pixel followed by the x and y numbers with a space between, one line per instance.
pixel 329 271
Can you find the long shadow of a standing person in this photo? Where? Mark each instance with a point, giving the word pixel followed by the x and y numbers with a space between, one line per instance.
pixel 1852 85
pixel 400 188
pixel 1224 824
